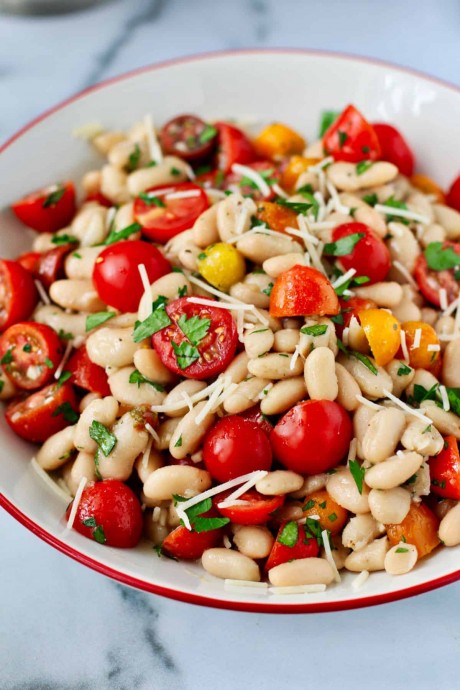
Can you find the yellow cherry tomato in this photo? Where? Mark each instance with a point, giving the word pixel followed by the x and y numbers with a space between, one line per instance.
pixel 278 141
pixel 222 265
pixel 422 344
pixel 291 173
pixel 428 186
pixel 382 331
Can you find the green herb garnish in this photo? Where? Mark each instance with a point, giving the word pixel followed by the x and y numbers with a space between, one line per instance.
pixel 54 197
pixel 440 258
pixel 64 239
pixel 116 236
pixel 318 329
pixel 103 437
pixel 344 245
pixel 67 412
pixel 97 319
pixel 357 472
pixel 289 534
pixel 137 377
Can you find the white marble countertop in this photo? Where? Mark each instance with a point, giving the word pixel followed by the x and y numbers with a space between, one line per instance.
pixel 63 626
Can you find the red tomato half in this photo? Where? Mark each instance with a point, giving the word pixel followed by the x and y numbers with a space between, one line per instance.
pixel 445 471
pixel 29 260
pixel 268 171
pixel 196 357
pixel 116 272
pixel 453 195
pixel 235 446
pixel 86 374
pixel 189 546
pixel 304 548
pixel 395 148
pixel 188 137
pixel 303 291
pixel 258 510
pixel 312 437
pixel 18 293
pixel 369 257
pixel 99 199
pixel 167 216
pixel 350 308
pixel 110 513
pixel 47 210
pixel 233 147
pixel 30 353
pixel 351 138
pixel 43 413
pixel 430 282
pixel 51 264
pixel 255 414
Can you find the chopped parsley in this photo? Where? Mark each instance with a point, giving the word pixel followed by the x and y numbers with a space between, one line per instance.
pixel 441 484
pixel 134 158
pixel 98 531
pixel 264 174
pixel 2 385
pixel 371 199
pixel 154 322
pixel 97 319
pixel 194 328
pixel 332 517
pixel 195 513
pixel 297 206
pixel 316 330
pixel 453 395
pixel 117 235
pixel 103 437
pixel 7 357
pixel 357 472
pixel 27 348
pixel 359 356
pixel 309 504
pixel 307 192
pixel 175 171
pixel 289 534
pixel 137 377
pixel 404 370
pixel 343 136
pixel 182 291
pixel 178 443
pixel 268 290
pixel 62 335
pixel 393 203
pixel 428 429
pixel 344 245
pixel 313 530
pixel 362 166
pixel 151 200
pixel 185 353
pixel 208 133
pixel 401 549
pixel 440 258
pixel 53 198
pixel 67 412
pixel 421 394
pixel 328 117
pixel 49 363
pixel 65 376
pixel 64 239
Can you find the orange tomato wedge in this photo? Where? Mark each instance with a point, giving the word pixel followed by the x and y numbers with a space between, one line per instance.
pixel 278 141
pixel 291 173
pixel 331 515
pixel 419 527
pixel 303 291
pixel 382 331
pixel 421 355
pixel 428 186
pixel 276 216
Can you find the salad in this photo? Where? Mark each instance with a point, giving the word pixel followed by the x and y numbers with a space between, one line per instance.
pixel 244 349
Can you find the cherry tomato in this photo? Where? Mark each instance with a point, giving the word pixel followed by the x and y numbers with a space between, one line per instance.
pixel 110 513
pixel 395 148
pixel 51 264
pixel 382 331
pixel 453 195
pixel 201 354
pixel 47 210
pixel 29 261
pixel 258 510
pixel 369 257
pixel 351 307
pixel 277 217
pixel 305 547
pixel 222 265
pixel 233 147
pixel 43 413
pixel 254 414
pixel 293 170
pixel 430 281
pixel 445 471
pixel 421 357
pixel 278 141
pixel 303 291
pixel 189 546
pixel 312 437
pixel 428 186
pixel 351 138
pixel 235 446
pixel 116 273
pixel 86 374
pixel 331 515
pixel 419 527
pixel 167 216
pixel 30 353
pixel 188 137
pixel 246 187
pixel 18 293
pixel 99 199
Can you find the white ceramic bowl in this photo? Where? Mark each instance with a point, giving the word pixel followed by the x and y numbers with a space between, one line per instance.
pixel 291 86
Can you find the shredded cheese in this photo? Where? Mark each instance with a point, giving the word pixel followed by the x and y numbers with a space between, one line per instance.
pixel 213 401
pixel 346 335
pixel 360 580
pixel 405 273
pixel 444 398
pixel 252 175
pixel 76 502
pixel 337 204
pixel 417 338
pixel 221 305
pixel 344 279
pixel 88 131
pixel 42 292
pixel 328 554
pixel 405 351
pixel 245 584
pixel 322 164
pixel 452 307
pixel 297 589
pixel 154 147
pixel 252 481
pixel 433 347
pixel 189 194
pixel 146 454
pixel 187 400
pixel 303 235
pixel 63 362
pixel 110 215
pixel 280 191
pixel 316 261
pixel 54 486
pixel 264 392
pixel 295 356
pixel 352 449
pixel 179 404
pixel 227 542
pixel 443 299
pixel 407 408
pixel 368 403
pixel 403 213
pixel 152 432
pixel 449 336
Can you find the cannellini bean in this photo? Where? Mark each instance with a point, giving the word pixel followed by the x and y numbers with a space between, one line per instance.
pixel 451 368
pixel 303 571
pixel 361 421
pixel 228 564
pixel 7 387
pixel 260 247
pixel 369 216
pixel 309 342
pixel 258 341
pixel 57 449
pixel 79 295
pixel 180 393
pixel 204 231
pixel 188 257
pixel 262 280
pixel 105 411
pixel 339 552
pixel 345 177
pixel 424 439
pixel 83 466
pixel 133 394
pixel 400 559
pixel 403 246
pixel 383 435
pixel 131 441
pixel 424 378
pixel 356 337
pixel 106 140
pixel 234 214
pixel 275 365
pixel 407 309
pixel 180 242
pixel 284 395
pixel 445 325
pixel 449 218
pixel 89 225
pixel 237 370
pixel 154 462
pixel 254 541
pixel 246 395
pixel 120 153
pixel 286 340
pixel 342 488
pixel 165 432
pixel 42 242
pixel 447 423
pixel 276 265
pixel 387 294
pixel 314 150
pixel 91 182
pixel 114 184
pixel 394 471
pixel 171 286
pixel 400 381
pixel 432 233
pixel 124 217
pixel 188 436
pixel 148 363
pixel 123 320
pixel 279 482
pixel 320 376
pixel 289 511
pixel 372 385
pixel 87 400
pixel 389 507
pixel 144 178
pixel 250 294
pixel 418 202
pixel 360 531
pixel 348 389
pixel 182 480
pixel 449 529
pixel 429 315
pixel 422 484
pixel 370 557
pixel 81 267
pixel 112 347
pixel 58 320
pixel 310 484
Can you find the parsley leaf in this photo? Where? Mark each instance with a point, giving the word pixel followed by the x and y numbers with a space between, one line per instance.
pixel 289 534
pixel 151 200
pixel 117 235
pixel 49 363
pixel 364 360
pixel 328 117
pixel 65 376
pixel 208 133
pixel 343 136
pixel 178 443
pixel 453 395
pixel 67 412
pixel 313 530
pixel 2 385
pixel 401 549
pixel 27 348
pixel 309 504
pixel 307 192
pixel 268 290
pixel 194 328
pixel 99 535
pixel 97 319
pixel 137 377
pixel 357 472
pixel 404 370
pixel 440 258
pixel 185 353
pixel 296 206
pixel 62 335
pixel 344 245
pixel 154 322
pixel 7 357
pixel 421 394
pixel 134 158
pixel 371 199
pixel 103 437
pixel 396 204
pixel 264 174
pixel 53 198
pixel 318 329
pixel 182 291
pixel 64 239
pixel 362 166
pixel 194 513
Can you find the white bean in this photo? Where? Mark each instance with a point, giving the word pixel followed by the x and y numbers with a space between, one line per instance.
pixel 250 294
pixel 154 462
pixel 279 483
pixel 124 217
pixel 112 347
pixel 432 233
pixel 140 180
pixel 389 507
pixel 228 564
pixel 451 367
pixel 133 394
pixel 383 435
pixel 422 377
pixel 418 202
pixel 106 140
pixel 82 466
pixel 313 483
pixel 449 218
pixel 360 531
pixel 182 480
pixel 361 421
pixel 447 423
pixel 228 214
pixel 449 529
pixel 91 182
pixel 320 376
pixel 276 265
pixel 387 294
pixel 114 184
pixel 394 471
pixel 424 439
pixel 60 321
pixel 260 247
pixel 81 267
pixel 204 231
pixel 286 340
pixel 370 557
pixel 188 436
pixel 275 365
pixel 180 392
pixel 284 395
pixel 407 309
pixel 131 441
pixel 372 385
pixel 344 176
pixel 254 541
pixel 303 571
pixel 165 432
pixel 369 216
pixel 258 341
pixel 403 246
pixel 89 225
pixel 148 363
pixel 87 400
pixel 400 380
pixel 105 411
pixel 342 488
pixel 400 559
pixel 57 449
pixel 237 370
pixel 78 295
pixel 120 153
pixel 348 389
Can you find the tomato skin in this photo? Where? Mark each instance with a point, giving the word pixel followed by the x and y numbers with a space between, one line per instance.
pixel 51 264
pixel 370 256
pixel 420 357
pixel 18 293
pixel 430 281
pixel 115 508
pixel 116 275
pixel 291 172
pixel 255 414
pixel 453 195
pixel 278 141
pixel 361 142
pixel 99 199
pixel 233 147
pixel 428 186
pixel 277 217
pixel 258 511
pixel 29 261
pixel 260 167
pixel 280 553
pixel 395 148
pixel 31 212
pixel 419 527
pixel 445 471
pixel 32 419
pixel 352 307
pixel 382 331
pixel 303 291
pixel 325 508
pixel 184 129
pixel 312 437
pixel 86 374
pixel 45 350
pixel 189 546
pixel 235 446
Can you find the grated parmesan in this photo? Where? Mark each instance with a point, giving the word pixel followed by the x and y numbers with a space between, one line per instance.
pixel 407 408
pixel 405 351
pixel 443 299
pixel 76 502
pixel 245 584
pixel 433 347
pixel 303 235
pixel 360 580
pixel 88 131
pixel 444 398
pixel 452 307
pixel 154 147
pixel 337 204
pixel 63 362
pixel 146 454
pixel 280 191
pixel 316 261
pixel 297 589
pixel 405 274
pixel 417 338
pixel 221 305
pixel 344 279
pixel 259 474
pixel 368 403
pixel 42 292
pixel 188 194
pixel 403 213
pixel 152 432
pixel 328 554
pixel 252 175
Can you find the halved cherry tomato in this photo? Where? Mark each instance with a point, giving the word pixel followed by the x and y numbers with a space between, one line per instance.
pixel 51 264
pixel 430 282
pixel 293 170
pixel 30 353
pixel 188 137
pixel 278 141
pixel 18 293
pixel 86 374
pixel 189 546
pixel 166 216
pixel 351 307
pixel 29 260
pixel 235 446
pixel 369 257
pixel 258 510
pixel 305 547
pixel 382 331
pixel 110 513
pixel 312 437
pixel 246 187
pixel 277 217
pixel 99 199
pixel 428 186
pixel 233 147
pixel 255 414
pixel 395 148
pixel 49 209
pixel 43 413
pixel 351 138
pixel 191 356
pixel 445 471
pixel 116 274
pixel 421 357
pixel 453 195
pixel 331 515
pixel 303 291
pixel 419 527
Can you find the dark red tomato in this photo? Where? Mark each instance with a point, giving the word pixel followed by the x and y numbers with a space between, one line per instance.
pixel 99 199
pixel 188 137
pixel 312 437
pixel 430 282
pixel 350 308
pixel 267 170
pixel 233 147
pixel 197 354
pixel 189 546
pixel 258 510
pixel 18 293
pixel 445 471
pixel 351 138
pixel 166 216
pixel 234 446
pixel 86 374
pixel 29 261
pixel 369 257
pixel 30 353
pixel 302 291
pixel 453 195
pixel 47 210
pixel 51 264
pixel 303 548
pixel 395 148
pixel 255 414
pixel 43 413
pixel 110 513
pixel 116 272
